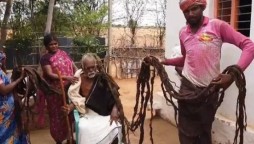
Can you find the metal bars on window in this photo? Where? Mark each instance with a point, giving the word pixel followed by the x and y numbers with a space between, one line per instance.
pixel 244 16
pixel 235 12
pixel 224 10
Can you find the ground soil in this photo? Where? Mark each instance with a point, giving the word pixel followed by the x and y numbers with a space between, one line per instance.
pixel 163 131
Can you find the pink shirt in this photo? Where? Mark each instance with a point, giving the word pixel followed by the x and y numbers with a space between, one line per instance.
pixel 202 50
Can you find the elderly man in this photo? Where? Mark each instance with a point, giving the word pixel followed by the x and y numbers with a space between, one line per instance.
pixel 201 40
pixel 92 97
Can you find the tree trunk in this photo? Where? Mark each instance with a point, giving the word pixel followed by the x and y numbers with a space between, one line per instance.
pixel 49 17
pixel 4 28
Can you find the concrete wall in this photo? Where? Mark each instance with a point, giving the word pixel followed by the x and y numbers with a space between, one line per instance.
pixel 224 125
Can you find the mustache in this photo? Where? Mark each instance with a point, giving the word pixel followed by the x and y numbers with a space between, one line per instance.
pixel 91 74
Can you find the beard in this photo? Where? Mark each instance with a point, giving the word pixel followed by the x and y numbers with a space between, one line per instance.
pixel 91 74
pixel 194 21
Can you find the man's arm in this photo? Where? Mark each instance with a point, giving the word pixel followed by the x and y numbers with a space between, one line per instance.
pixel 48 71
pixel 114 116
pixel 230 35
pixel 179 61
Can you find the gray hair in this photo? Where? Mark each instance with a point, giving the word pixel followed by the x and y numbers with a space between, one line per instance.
pixel 88 56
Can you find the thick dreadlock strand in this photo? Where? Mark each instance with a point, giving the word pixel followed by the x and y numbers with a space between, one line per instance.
pixel 241 116
pixel 168 90
pixel 151 103
pixel 26 90
pixel 144 95
pixel 114 89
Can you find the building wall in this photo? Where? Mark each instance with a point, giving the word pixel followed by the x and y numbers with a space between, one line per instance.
pixel 224 124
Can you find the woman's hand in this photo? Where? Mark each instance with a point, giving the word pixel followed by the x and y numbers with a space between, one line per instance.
pixel 71 79
pixel 114 117
pixel 23 74
pixel 67 109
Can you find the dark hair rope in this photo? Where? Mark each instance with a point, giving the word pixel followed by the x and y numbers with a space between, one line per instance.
pixel 144 94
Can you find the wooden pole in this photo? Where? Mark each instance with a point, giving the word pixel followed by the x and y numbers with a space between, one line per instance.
pixel 64 102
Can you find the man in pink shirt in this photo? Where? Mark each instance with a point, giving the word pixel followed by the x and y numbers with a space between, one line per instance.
pixel 201 41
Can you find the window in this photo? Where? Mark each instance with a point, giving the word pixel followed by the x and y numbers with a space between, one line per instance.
pixel 224 10
pixel 235 12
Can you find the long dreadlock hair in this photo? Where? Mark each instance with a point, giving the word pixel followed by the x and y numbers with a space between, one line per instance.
pixel 23 93
pixel 144 94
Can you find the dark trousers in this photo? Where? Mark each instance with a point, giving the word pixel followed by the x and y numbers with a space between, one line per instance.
pixel 195 118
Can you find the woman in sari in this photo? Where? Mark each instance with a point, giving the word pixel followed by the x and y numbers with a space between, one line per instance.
pixel 56 59
pixel 9 130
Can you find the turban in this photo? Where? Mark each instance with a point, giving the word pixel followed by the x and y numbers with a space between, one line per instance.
pixel 185 4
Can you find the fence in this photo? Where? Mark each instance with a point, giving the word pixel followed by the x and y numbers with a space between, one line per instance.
pixel 32 56
pixel 127 61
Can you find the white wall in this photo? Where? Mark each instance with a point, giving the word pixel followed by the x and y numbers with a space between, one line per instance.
pixel 174 21
pixel 230 55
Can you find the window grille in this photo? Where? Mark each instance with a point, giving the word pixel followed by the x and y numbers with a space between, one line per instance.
pixel 235 12
pixel 244 17
pixel 224 10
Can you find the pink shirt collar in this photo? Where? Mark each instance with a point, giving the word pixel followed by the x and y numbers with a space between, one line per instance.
pixel 205 22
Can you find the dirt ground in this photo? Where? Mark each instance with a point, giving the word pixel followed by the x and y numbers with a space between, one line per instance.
pixel 163 131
